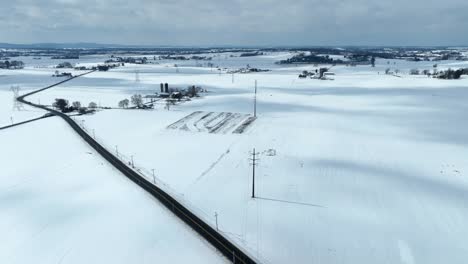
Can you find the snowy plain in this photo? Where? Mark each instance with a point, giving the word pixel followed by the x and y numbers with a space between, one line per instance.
pixel 60 202
pixel 368 168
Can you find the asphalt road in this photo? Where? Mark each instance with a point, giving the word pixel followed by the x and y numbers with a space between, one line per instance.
pixel 216 239
pixel 25 122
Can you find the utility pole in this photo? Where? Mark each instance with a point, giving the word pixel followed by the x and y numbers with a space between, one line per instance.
pixel 255 100
pixel 154 177
pixel 11 118
pixel 17 105
pixel 133 164
pixel 254 163
pixel 137 76
pixel 216 217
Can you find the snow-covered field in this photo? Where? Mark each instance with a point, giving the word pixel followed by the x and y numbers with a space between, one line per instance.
pixel 60 202
pixel 368 168
pixel 26 79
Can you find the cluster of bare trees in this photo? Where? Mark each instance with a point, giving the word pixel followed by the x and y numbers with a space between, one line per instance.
pixel 449 74
pixel 64 107
pixel 11 64
pixel 136 100
pixel 388 71
pixel 63 65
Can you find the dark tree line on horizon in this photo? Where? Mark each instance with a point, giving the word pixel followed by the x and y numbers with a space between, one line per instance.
pixel 11 64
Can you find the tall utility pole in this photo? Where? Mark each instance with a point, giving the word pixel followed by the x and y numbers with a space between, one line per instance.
pixel 137 76
pixel 133 164
pixel 254 163
pixel 255 100
pixel 216 217
pixel 17 105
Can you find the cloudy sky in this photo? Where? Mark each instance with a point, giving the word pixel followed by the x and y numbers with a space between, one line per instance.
pixel 236 22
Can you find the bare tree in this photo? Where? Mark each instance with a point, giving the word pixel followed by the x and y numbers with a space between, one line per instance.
pixel 137 100
pixel 414 72
pixel 65 64
pixel 124 103
pixel 61 104
pixel 92 105
pixel 76 105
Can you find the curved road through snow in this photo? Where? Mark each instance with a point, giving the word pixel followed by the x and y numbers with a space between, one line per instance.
pixel 220 242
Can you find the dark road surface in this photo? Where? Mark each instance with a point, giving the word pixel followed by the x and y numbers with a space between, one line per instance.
pixel 220 242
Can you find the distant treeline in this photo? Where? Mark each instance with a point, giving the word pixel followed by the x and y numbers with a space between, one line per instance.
pixel 368 55
pixel 406 53
pixel 452 74
pixel 11 64
pixel 173 57
pixel 312 59
pixel 251 54
pixel 66 57
pixel 321 59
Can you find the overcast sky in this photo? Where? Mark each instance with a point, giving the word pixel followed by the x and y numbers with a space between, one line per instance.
pixel 236 22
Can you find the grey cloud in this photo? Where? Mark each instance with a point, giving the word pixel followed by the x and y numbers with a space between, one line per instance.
pixel 237 22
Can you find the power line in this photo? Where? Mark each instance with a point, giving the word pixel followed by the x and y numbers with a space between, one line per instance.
pixel 254 162
pixel 17 105
pixel 137 76
pixel 255 100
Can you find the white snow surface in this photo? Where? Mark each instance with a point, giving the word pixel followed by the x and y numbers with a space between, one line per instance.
pixel 368 168
pixel 60 202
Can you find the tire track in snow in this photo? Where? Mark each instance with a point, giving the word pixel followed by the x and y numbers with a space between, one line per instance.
pixel 200 120
pixel 208 169
pixel 215 123
pixel 178 124
pixel 218 127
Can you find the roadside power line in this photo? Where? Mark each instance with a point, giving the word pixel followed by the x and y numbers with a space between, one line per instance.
pixel 253 162
pixel 229 249
pixel 255 100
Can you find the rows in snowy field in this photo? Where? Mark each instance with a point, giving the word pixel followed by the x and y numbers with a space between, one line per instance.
pixel 211 122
